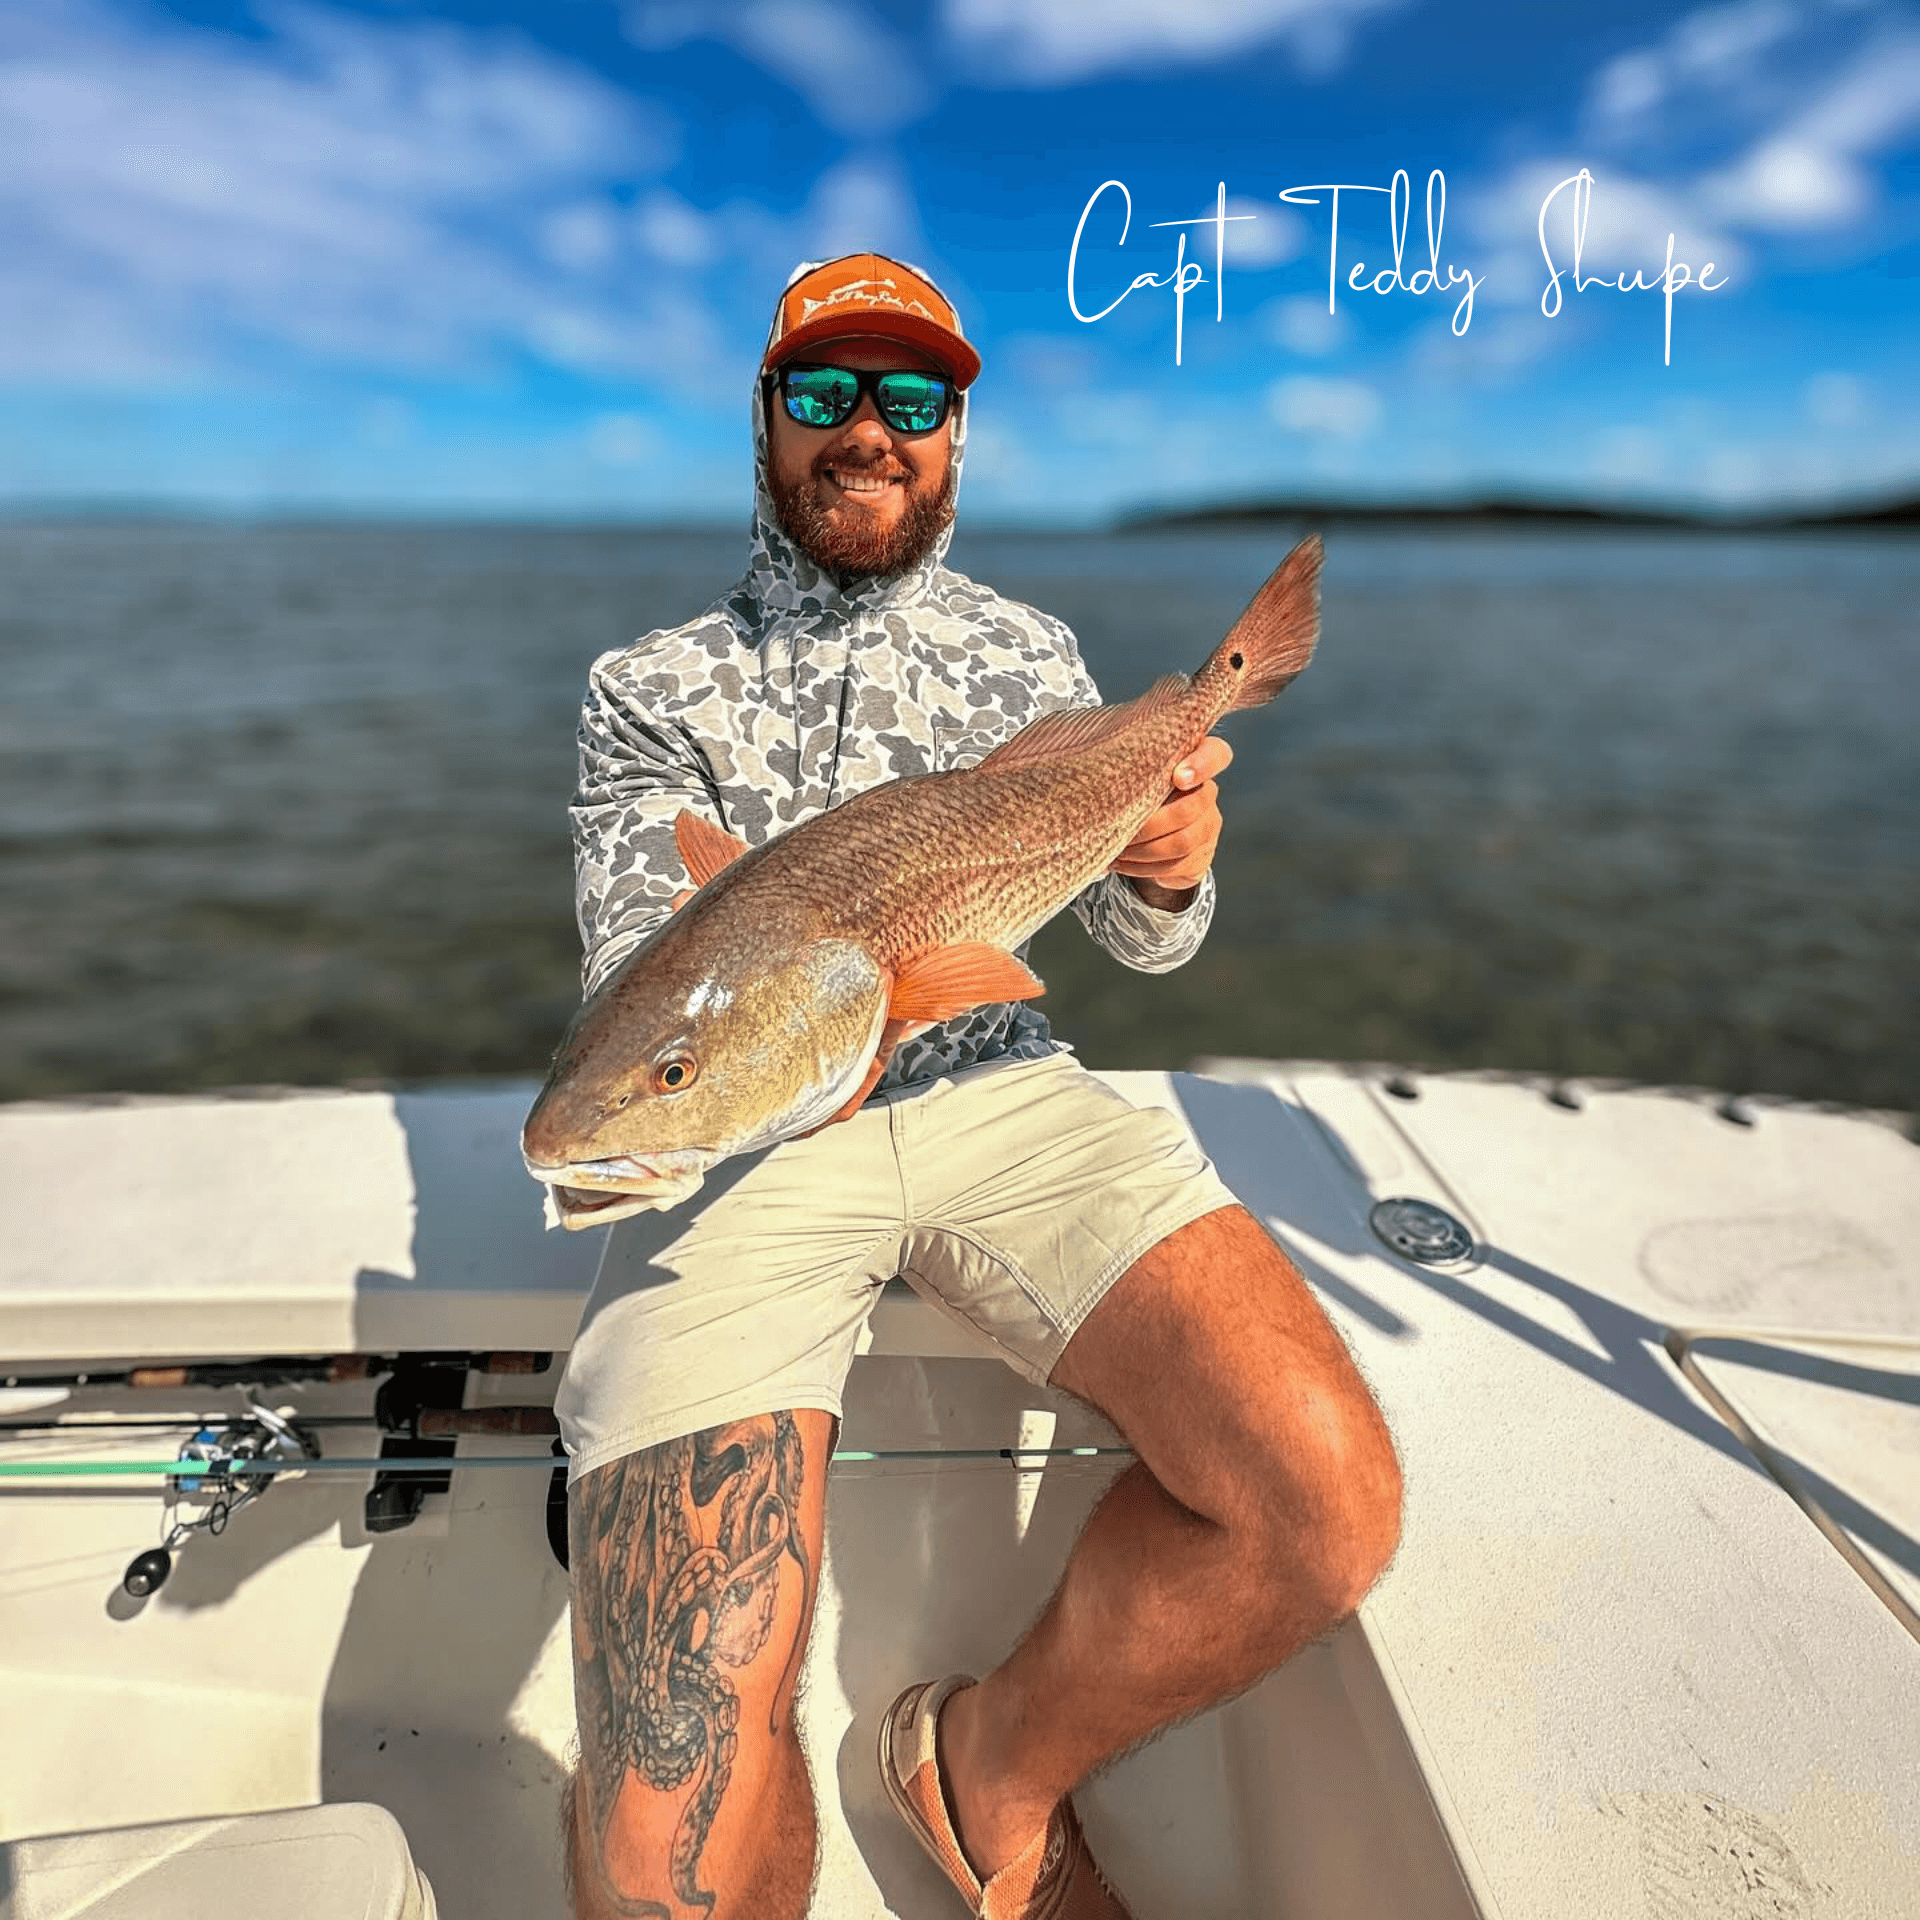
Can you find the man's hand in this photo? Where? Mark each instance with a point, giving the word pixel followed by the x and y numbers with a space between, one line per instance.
pixel 1171 853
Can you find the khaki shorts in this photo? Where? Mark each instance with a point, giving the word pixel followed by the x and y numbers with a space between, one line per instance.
pixel 1012 1194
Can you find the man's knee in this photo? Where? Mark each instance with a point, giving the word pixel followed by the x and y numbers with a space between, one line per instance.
pixel 1269 1431
pixel 1323 1496
pixel 779 1883
pixel 1360 1526
pixel 773 1880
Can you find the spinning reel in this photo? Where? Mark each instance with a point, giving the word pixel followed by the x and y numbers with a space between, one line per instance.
pixel 208 1473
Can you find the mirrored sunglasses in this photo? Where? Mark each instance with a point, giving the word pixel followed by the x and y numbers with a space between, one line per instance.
pixel 908 401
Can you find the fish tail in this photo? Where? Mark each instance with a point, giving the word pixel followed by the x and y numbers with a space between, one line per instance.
pixel 1272 642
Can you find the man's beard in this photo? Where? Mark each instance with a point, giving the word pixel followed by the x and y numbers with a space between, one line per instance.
pixel 858 546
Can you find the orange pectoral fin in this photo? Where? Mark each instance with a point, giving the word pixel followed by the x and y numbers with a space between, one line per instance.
pixel 949 980
pixel 705 850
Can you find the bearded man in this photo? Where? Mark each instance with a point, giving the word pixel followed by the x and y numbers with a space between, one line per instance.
pixel 1089 1240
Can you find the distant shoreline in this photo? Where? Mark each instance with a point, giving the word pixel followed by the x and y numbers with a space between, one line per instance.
pixel 1511 511
pixel 1506 511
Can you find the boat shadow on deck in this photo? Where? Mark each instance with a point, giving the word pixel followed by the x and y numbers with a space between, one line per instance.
pixel 931 1568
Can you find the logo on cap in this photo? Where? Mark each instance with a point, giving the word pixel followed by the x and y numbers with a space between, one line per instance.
pixel 871 293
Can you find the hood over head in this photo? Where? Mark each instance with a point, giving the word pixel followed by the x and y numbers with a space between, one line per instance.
pixel 784 579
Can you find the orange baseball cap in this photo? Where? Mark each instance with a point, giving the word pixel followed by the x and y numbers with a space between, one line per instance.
pixel 868 293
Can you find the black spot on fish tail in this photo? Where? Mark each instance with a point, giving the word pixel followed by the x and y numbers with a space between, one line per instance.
pixel 1274 639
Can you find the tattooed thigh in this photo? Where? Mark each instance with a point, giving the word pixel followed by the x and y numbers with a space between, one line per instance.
pixel 694 1565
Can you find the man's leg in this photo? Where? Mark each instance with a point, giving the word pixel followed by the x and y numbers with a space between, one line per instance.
pixel 1265 1502
pixel 695 1566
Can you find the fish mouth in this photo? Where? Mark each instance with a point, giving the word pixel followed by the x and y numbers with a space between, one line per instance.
pixel 596 1193
pixel 625 1172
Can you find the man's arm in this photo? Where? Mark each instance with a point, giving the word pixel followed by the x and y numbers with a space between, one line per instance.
pixel 635 777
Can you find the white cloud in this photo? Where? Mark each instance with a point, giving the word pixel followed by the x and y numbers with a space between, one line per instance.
pixel 995 460
pixel 855 74
pixel 1325 409
pixel 1716 49
pixel 668 332
pixel 1273 236
pixel 1738 475
pixel 348 188
pixel 1716 38
pixel 582 236
pixel 1871 104
pixel 1788 184
pixel 1628 88
pixel 1046 43
pixel 1807 128
pixel 864 201
pixel 1810 171
pixel 671 229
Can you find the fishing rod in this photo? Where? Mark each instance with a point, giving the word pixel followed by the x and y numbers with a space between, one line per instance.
pixel 279 1370
pixel 234 1464
pixel 437 1463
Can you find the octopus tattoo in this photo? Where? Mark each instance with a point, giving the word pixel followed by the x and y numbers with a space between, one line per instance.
pixel 659 1616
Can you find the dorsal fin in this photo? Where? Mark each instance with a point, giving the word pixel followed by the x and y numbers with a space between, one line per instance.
pixel 1076 729
pixel 705 850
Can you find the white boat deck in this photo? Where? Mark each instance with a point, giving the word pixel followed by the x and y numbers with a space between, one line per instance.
pixel 1651 1645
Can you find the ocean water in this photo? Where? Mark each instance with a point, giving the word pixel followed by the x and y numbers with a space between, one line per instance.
pixel 287 803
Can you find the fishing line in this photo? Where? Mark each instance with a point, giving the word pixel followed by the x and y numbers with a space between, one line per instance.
pixel 443 1463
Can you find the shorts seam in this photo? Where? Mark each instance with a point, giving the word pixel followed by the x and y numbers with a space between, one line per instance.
pixel 896 1124
pixel 641 1436
pixel 1010 1355
pixel 928 1292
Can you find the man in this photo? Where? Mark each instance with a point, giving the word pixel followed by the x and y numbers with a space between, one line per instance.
pixel 1089 1240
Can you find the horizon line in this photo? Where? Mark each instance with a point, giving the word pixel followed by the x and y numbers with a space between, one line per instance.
pixel 1889 507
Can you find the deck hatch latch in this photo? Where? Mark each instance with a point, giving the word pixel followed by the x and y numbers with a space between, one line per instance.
pixel 1418 1230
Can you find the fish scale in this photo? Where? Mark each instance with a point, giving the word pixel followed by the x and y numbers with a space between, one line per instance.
pixel 768 1004
pixel 984 856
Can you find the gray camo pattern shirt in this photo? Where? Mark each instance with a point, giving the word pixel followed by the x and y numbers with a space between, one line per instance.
pixel 791 694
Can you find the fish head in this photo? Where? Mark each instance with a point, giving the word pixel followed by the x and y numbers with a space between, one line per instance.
pixel 698 1049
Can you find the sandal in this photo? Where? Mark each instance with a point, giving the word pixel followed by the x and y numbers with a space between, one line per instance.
pixel 1053 1878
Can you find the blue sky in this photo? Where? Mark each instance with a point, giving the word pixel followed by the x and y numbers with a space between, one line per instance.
pixel 518 260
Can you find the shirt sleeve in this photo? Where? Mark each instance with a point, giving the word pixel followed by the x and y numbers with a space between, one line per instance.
pixel 635 777
pixel 1147 939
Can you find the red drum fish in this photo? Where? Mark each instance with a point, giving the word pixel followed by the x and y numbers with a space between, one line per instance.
pixel 769 1003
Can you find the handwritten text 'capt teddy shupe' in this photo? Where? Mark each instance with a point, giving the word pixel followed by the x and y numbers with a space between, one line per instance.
pixel 1186 275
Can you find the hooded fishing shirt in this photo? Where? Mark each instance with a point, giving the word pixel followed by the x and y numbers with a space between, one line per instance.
pixel 791 694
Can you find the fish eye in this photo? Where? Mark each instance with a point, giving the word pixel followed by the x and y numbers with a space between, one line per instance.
pixel 675 1073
